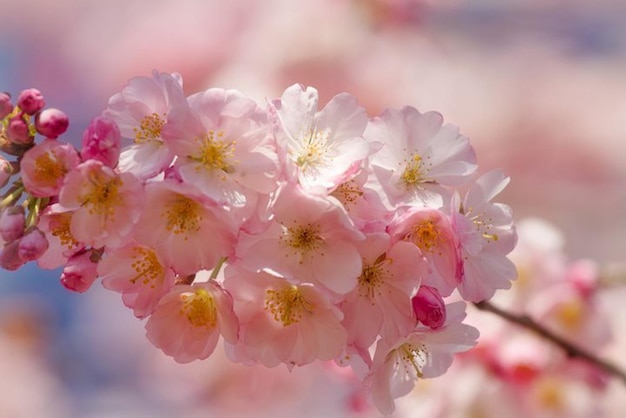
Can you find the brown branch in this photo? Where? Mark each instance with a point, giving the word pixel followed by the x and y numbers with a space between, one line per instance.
pixel 570 349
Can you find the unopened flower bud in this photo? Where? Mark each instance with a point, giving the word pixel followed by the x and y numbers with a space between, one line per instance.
pixel 102 142
pixel 31 101
pixel 429 307
pixel 51 122
pixel 32 245
pixel 9 257
pixel 6 106
pixel 12 221
pixel 18 131
pixel 80 272
pixel 6 170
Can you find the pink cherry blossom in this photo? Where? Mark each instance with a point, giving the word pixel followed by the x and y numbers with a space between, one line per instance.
pixel 45 166
pixel 56 223
pixel 425 353
pixel 31 101
pixel 431 231
pixel 9 256
pixel 6 171
pixel 325 148
pixel 80 272
pixel 32 245
pixel 12 223
pixel 429 307
pixel 486 234
pixel 51 122
pixel 189 320
pixel 282 322
pixel 224 146
pixel 363 205
pixel 101 141
pixel 311 239
pixel 380 305
pixel 137 272
pixel 187 230
pixel 106 204
pixel 140 110
pixel 419 156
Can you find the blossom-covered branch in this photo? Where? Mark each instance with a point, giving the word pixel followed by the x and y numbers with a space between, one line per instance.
pixel 291 233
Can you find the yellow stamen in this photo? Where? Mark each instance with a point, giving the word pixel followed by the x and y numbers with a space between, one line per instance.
pixel 215 153
pixel 149 128
pixel 147 266
pixel 183 215
pixel 199 308
pixel 425 235
pixel 287 305
pixel 347 193
pixel 103 194
pixel 48 169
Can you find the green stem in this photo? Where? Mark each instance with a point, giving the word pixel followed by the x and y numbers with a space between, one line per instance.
pixel 217 268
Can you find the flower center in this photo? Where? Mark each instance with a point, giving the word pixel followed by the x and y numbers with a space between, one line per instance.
pixel 199 308
pixel 183 215
pixel 287 305
pixel 415 171
pixel 147 266
pixel 425 235
pixel 303 238
pixel 149 128
pixel 215 153
pixel 48 169
pixel 483 226
pixel 313 149
pixel 347 193
pixel 103 194
pixel 60 228
pixel 413 357
pixel 372 277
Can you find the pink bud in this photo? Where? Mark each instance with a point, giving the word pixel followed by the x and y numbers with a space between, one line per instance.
pixel 18 131
pixel 9 257
pixel 30 101
pixel 79 272
pixel 12 221
pixel 102 142
pixel 32 245
pixel 51 122
pixel 429 307
pixel 6 106
pixel 6 170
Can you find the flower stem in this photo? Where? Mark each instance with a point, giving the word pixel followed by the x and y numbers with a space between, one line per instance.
pixel 217 268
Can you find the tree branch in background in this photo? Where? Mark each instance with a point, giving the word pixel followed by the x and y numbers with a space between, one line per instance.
pixel 570 349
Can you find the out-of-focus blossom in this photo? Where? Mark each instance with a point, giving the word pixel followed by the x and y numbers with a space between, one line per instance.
pixel 32 245
pixel 12 222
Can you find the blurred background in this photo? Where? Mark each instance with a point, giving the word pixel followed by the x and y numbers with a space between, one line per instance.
pixel 539 86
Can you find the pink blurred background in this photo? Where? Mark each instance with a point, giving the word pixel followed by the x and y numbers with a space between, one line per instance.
pixel 539 87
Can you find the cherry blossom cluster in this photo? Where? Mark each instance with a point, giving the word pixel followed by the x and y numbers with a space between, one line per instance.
pixel 295 234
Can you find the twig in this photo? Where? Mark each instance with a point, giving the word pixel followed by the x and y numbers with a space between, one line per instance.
pixel 570 349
